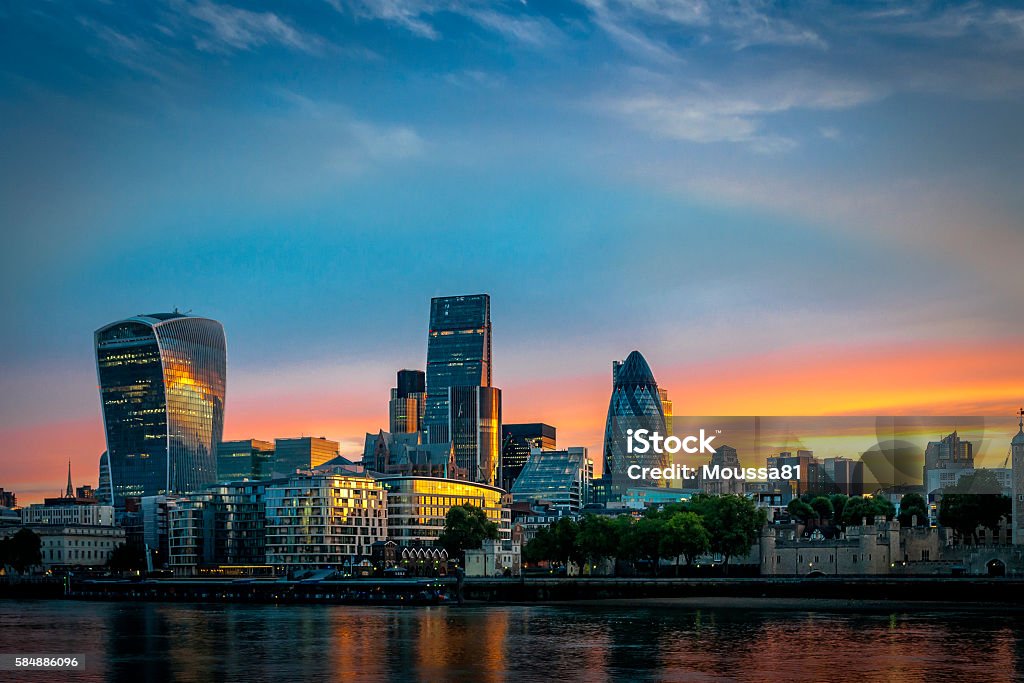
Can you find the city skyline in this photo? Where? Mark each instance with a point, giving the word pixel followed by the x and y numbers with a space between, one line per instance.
pixel 786 209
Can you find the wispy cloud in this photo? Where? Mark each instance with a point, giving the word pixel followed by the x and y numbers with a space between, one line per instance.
pixel 706 112
pixel 226 28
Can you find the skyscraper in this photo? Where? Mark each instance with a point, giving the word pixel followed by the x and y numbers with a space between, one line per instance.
pixel 408 401
pixel 104 494
pixel 162 384
pixel 517 440
pixel 635 404
pixel 458 355
pixel 475 429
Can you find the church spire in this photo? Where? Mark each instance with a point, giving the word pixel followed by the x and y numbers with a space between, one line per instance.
pixel 71 491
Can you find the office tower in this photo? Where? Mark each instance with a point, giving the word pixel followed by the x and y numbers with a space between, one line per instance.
pixel 561 478
pixel 1017 462
pixel 245 459
pixel 475 429
pixel 810 479
pixel 323 521
pixel 408 402
pixel 162 381
pixel 724 456
pixel 842 475
pixel 104 494
pixel 666 406
pixel 635 404
pixel 943 460
pixel 458 355
pixel 302 453
pixel 517 440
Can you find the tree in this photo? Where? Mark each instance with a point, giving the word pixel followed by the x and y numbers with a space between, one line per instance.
pixel 598 538
pixel 733 523
pixel 838 501
pixel 913 505
pixel 127 558
pixel 21 551
pixel 465 528
pixel 859 508
pixel 684 534
pixel 801 510
pixel 823 507
pixel 975 501
pixel 540 548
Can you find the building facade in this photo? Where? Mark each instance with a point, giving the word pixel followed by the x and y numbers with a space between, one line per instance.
pixel 1017 492
pixel 222 526
pixel 942 460
pixel 162 380
pixel 724 456
pixel 561 478
pixel 635 404
pixel 475 429
pixel 458 355
pixel 244 459
pixel 303 453
pixel 69 512
pixel 517 441
pixel 323 521
pixel 417 506
pixel 67 545
pixel 408 402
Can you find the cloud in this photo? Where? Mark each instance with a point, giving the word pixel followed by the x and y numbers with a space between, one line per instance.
pixel 224 28
pixel 707 113
pixel 416 17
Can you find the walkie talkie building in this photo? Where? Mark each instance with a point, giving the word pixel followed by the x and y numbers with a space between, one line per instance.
pixel 162 381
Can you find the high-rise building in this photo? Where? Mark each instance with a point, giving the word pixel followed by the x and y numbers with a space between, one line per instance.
pixel 458 355
pixel 635 404
pixel 162 385
pixel 561 478
pixel 666 406
pixel 475 429
pixel 408 402
pixel 245 459
pixel 1017 460
pixel 8 499
pixel 323 521
pixel 302 453
pixel 517 440
pixel 842 475
pixel 104 494
pixel 809 479
pixel 942 461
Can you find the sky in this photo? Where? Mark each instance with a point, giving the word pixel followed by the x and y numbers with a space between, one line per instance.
pixel 788 208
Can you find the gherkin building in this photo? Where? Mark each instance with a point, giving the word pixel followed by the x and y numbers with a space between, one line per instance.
pixel 635 404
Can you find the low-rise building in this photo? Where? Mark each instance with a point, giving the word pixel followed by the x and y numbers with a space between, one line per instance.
pixel 69 545
pixel 417 506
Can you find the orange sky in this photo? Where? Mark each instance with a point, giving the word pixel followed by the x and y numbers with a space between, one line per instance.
pixel 975 378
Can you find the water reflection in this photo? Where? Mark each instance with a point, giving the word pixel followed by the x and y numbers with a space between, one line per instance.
pixel 143 641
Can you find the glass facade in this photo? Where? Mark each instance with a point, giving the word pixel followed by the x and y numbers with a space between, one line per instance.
pixel 417 506
pixel 302 453
pixel 224 525
pixel 246 459
pixel 458 354
pixel 162 386
pixel 475 429
pixel 517 440
pixel 561 478
pixel 635 404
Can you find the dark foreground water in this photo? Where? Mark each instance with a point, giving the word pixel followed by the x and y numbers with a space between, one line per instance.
pixel 747 641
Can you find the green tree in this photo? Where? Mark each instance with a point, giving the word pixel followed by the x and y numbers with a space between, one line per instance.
pixel 913 505
pixel 465 528
pixel 540 548
pixel 684 534
pixel 798 509
pixel 975 501
pixel 21 551
pixel 838 501
pixel 823 507
pixel 598 538
pixel 733 523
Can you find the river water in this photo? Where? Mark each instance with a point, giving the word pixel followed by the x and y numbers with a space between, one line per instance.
pixel 749 641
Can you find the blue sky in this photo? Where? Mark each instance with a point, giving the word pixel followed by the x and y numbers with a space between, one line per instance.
pixel 706 181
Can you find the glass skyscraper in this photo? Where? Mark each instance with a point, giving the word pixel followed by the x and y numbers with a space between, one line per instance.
pixel 635 404
pixel 162 382
pixel 458 355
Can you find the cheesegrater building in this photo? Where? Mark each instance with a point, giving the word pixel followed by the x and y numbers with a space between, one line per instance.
pixel 162 381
